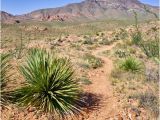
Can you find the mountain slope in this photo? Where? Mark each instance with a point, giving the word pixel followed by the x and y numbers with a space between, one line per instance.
pixel 93 10
pixel 6 17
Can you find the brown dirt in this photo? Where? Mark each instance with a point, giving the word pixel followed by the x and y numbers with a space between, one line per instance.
pixel 101 86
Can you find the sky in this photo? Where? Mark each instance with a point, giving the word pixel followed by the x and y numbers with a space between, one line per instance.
pixel 17 7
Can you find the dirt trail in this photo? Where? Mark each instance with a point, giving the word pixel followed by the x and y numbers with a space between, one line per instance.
pixel 101 85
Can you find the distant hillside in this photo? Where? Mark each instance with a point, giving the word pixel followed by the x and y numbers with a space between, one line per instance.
pixel 88 10
pixel 6 17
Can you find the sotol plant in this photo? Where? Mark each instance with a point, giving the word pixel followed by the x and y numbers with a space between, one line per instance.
pixel 137 36
pixel 4 77
pixel 131 64
pixel 50 86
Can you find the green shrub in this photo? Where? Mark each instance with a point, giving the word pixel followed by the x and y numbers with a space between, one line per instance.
pixel 150 48
pixel 131 64
pixel 4 77
pixel 93 61
pixel 50 86
pixel 136 38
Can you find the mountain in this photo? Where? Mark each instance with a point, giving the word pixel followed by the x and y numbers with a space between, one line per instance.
pixel 6 17
pixel 90 10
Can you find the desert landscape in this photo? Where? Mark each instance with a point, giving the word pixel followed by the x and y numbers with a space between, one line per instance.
pixel 94 60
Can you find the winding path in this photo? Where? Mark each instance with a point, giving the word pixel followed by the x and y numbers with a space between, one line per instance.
pixel 101 85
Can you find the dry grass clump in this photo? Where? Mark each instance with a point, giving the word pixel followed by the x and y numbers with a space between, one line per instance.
pixel 149 101
pixel 92 61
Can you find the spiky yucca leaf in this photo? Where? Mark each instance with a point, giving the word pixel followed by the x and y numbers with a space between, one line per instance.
pixel 50 86
pixel 4 76
pixel 131 64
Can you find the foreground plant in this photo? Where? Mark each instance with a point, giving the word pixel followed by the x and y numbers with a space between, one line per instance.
pixel 50 86
pixel 4 77
pixel 131 64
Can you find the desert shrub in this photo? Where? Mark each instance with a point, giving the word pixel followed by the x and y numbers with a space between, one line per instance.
pixel 101 34
pixel 152 74
pixel 49 86
pixel 128 42
pixel 121 53
pixel 136 38
pixel 149 101
pixel 116 37
pixel 4 77
pixel 132 50
pixel 105 42
pixel 150 48
pixel 106 52
pixel 84 80
pixel 84 65
pixel 131 64
pixel 76 45
pixel 88 41
pixel 123 34
pixel 93 61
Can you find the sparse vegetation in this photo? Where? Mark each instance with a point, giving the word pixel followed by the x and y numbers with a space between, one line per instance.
pixel 105 41
pixel 149 101
pixel 152 75
pixel 84 80
pixel 121 53
pixel 88 41
pixel 126 56
pixel 50 86
pixel 93 61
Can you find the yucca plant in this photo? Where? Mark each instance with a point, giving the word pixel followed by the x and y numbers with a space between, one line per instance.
pixel 4 77
pixel 50 86
pixel 131 64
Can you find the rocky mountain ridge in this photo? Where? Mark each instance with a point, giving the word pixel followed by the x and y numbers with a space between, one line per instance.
pixel 87 10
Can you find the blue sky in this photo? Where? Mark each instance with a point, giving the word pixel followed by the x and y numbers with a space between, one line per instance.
pixel 17 7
